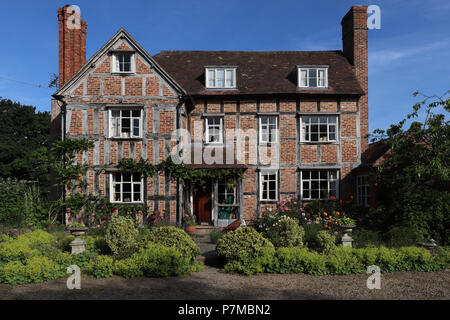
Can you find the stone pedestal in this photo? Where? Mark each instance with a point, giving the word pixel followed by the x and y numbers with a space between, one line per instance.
pixel 78 245
pixel 347 241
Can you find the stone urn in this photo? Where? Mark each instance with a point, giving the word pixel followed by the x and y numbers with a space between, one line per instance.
pixel 78 245
pixel 346 239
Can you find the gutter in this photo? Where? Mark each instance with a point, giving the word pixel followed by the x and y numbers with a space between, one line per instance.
pixel 60 98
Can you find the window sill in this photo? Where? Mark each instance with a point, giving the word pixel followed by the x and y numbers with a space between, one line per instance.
pixel 130 138
pixel 319 142
pixel 123 73
pixel 118 202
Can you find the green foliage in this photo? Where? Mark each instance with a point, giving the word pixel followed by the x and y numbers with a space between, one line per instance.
pixel 121 236
pixel 365 237
pixel 286 233
pixel 177 238
pixel 215 235
pixel 246 251
pixel 324 241
pixel 401 236
pixel 101 267
pixel 33 270
pixel 311 231
pixel 413 181
pixel 22 203
pixel 24 141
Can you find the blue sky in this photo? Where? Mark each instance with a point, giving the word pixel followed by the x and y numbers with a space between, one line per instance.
pixel 410 52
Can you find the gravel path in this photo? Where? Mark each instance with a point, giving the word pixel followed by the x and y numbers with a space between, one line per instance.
pixel 212 283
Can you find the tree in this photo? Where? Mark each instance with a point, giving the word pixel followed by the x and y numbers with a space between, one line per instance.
pixel 24 143
pixel 413 181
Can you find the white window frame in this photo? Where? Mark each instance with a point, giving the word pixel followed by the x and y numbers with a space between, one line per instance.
pixel 132 62
pixel 363 199
pixel 310 198
pixel 207 130
pixel 112 184
pixel 300 77
pixel 216 86
pixel 261 130
pixel 116 124
pixel 303 125
pixel 263 173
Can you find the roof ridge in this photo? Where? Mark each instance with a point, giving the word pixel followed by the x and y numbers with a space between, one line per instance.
pixel 243 51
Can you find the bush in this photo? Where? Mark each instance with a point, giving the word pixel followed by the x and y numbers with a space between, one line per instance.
pixel 311 231
pixel 33 270
pixel 287 233
pixel 121 236
pixel 365 237
pixel 324 241
pixel 215 235
pixel 246 251
pixel 177 238
pixel 299 260
pixel 101 267
pixel 21 203
pixel 401 236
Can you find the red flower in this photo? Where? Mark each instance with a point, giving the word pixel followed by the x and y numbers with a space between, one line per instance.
pixel 340 202
pixel 105 218
pixel 230 180
pixel 332 197
pixel 351 197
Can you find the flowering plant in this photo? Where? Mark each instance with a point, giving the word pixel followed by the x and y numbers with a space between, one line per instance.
pixel 189 219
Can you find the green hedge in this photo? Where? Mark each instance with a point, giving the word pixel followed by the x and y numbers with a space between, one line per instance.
pixel 344 260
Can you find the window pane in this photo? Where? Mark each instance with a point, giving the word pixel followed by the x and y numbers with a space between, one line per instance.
pixel 126 113
pixel 211 78
pixel 303 78
pixel 126 187
pixel 126 125
pixel 126 176
pixel 321 78
pixel 312 78
pixel 115 113
pixel 136 113
pixel 136 127
pixel 220 77
pixel 126 197
pixel 229 78
pixel 136 177
pixel 118 177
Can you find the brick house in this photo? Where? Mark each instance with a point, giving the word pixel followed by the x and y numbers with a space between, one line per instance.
pixel 293 121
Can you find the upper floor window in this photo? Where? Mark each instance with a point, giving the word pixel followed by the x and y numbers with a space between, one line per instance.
pixel 213 132
pixel 127 187
pixel 221 78
pixel 123 62
pixel 125 123
pixel 319 128
pixel 268 129
pixel 312 77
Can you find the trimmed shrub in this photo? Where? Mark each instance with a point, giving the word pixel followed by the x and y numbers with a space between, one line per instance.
pixel 101 267
pixel 215 235
pixel 324 241
pixel 246 251
pixel 341 260
pixel 128 268
pixel 33 270
pixel 286 232
pixel 173 237
pixel 121 236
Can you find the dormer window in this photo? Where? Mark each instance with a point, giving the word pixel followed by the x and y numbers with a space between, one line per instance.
pixel 123 62
pixel 313 77
pixel 220 78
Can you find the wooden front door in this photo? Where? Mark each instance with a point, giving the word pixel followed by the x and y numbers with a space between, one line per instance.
pixel 202 203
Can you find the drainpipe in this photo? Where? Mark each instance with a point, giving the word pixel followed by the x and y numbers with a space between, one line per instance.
pixel 181 99
pixel 60 98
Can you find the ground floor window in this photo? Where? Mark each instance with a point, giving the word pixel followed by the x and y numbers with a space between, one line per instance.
pixel 268 180
pixel 362 190
pixel 126 187
pixel 227 199
pixel 319 184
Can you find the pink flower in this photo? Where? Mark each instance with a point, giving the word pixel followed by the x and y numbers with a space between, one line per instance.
pixel 263 211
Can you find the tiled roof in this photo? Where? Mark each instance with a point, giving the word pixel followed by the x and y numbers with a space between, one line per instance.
pixel 265 72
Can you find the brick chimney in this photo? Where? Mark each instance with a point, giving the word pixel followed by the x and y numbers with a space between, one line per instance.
pixel 72 43
pixel 354 41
